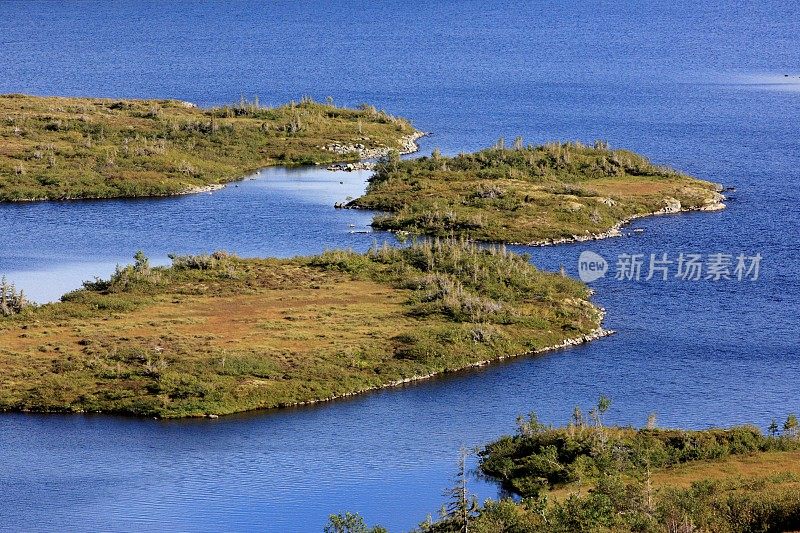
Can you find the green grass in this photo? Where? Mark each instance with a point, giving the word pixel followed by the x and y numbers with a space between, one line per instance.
pixel 730 505
pixel 61 148
pixel 586 477
pixel 546 458
pixel 218 334
pixel 527 194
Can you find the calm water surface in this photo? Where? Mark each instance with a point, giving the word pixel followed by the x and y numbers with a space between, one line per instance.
pixel 699 86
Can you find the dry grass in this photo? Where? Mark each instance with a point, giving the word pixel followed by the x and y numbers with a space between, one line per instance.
pixel 59 148
pixel 248 334
pixel 759 466
pixel 527 195
pixel 756 467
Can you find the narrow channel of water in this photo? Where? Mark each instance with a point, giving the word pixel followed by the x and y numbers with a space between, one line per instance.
pixel 390 454
pixel 708 87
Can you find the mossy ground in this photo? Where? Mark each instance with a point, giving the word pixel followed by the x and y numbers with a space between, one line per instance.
pixel 222 334
pixel 527 194
pixel 59 148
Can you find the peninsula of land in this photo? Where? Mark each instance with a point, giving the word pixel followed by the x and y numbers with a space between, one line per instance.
pixel 217 334
pixel 69 148
pixel 588 477
pixel 533 195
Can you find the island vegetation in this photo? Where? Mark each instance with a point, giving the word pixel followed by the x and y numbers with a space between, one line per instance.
pixel 528 194
pixel 219 334
pixel 589 477
pixel 64 148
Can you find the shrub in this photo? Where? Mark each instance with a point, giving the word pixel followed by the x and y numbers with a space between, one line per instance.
pixel 12 301
pixel 200 262
pixel 566 454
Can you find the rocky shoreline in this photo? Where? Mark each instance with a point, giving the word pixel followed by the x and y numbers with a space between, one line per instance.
pixel 672 207
pixel 615 231
pixel 595 334
pixel 408 145
pixel 193 190
pixel 203 188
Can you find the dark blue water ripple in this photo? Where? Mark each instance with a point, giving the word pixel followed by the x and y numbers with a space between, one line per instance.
pixel 696 86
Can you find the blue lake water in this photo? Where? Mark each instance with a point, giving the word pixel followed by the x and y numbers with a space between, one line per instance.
pixel 710 88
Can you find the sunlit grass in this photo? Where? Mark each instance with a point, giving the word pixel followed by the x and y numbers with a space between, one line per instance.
pixel 527 194
pixel 588 477
pixel 56 148
pixel 218 334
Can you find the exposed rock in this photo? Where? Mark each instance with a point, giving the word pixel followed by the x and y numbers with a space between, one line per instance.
pixel 350 167
pixel 203 188
pixel 671 205
pixel 408 145
pixel 712 207
pixel 607 201
pixel 713 203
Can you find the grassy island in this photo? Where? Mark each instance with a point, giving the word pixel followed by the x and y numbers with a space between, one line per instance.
pixel 534 194
pixel 219 334
pixel 63 148
pixel 589 477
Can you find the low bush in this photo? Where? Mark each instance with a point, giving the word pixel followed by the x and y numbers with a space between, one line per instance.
pixel 524 194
